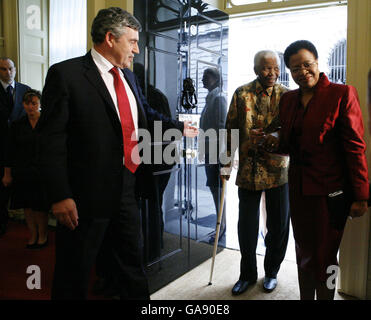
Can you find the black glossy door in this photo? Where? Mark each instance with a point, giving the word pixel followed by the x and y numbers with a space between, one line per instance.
pixel 180 39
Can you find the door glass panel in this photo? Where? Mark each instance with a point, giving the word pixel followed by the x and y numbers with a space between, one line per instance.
pixel 180 40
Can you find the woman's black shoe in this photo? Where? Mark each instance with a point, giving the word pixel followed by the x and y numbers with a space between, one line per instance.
pixel 32 246
pixel 42 245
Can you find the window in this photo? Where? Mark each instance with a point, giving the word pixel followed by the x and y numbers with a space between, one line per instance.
pixel 326 28
pixel 284 77
pixel 337 62
pixel 68 29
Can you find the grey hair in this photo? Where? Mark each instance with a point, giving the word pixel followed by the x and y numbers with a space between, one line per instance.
pixel 265 54
pixel 112 20
pixel 215 74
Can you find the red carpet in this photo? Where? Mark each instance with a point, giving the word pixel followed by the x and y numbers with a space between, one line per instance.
pixel 15 259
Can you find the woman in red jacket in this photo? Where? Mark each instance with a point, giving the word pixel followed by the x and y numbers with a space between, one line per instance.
pixel 322 131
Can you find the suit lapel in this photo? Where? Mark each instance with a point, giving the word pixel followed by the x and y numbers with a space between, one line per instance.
pixel 3 97
pixel 93 76
pixel 18 105
pixel 95 79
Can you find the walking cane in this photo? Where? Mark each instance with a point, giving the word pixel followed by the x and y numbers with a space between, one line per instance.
pixel 220 213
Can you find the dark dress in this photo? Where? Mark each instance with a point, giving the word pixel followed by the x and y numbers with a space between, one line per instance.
pixel 316 241
pixel 22 157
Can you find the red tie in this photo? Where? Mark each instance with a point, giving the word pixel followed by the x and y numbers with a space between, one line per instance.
pixel 131 154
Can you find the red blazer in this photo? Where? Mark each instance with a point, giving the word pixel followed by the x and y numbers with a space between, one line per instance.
pixel 332 139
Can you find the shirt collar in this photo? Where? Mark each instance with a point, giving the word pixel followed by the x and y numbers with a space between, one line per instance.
pixel 214 91
pixel 259 89
pixel 104 66
pixel 6 85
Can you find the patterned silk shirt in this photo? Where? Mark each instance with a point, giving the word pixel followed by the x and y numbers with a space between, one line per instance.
pixel 252 107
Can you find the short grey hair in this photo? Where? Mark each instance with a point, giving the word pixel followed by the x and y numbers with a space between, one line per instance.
pixel 265 54
pixel 214 72
pixel 112 20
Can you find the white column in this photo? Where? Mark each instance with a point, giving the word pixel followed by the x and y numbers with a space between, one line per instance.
pixel 355 250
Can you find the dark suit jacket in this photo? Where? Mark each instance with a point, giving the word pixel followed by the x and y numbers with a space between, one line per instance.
pixel 81 138
pixel 332 144
pixel 7 116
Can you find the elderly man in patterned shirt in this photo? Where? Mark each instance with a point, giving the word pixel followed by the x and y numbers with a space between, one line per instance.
pixel 254 112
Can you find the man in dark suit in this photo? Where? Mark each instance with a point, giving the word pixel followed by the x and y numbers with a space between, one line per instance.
pixel 92 108
pixel 11 108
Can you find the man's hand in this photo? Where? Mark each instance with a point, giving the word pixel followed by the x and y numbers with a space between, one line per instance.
pixel 257 137
pixel 66 213
pixel 225 173
pixel 224 177
pixel 358 209
pixel 189 131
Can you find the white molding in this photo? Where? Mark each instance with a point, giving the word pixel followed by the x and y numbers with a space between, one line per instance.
pixel 272 7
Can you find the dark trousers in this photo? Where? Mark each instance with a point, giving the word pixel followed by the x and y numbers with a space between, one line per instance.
pixel 215 185
pixel 121 235
pixel 277 206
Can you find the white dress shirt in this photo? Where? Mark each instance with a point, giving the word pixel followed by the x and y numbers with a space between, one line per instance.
pixel 6 85
pixel 104 67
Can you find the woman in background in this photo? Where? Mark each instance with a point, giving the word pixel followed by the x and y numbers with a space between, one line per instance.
pixel 21 171
pixel 322 131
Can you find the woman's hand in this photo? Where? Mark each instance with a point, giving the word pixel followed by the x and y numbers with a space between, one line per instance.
pixel 7 178
pixel 358 209
pixel 7 181
pixel 271 142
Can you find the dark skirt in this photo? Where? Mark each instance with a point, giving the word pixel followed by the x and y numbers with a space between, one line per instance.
pixel 29 192
pixel 316 241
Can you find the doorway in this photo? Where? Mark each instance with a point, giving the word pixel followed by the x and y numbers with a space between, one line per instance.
pixel 325 27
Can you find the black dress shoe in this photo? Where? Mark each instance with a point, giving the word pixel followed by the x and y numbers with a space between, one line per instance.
pixel 241 286
pixel 269 284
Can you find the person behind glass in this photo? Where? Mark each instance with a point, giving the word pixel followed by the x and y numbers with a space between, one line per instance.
pixel 159 102
pixel 21 171
pixel 11 108
pixel 322 131
pixel 93 108
pixel 254 112
pixel 213 117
